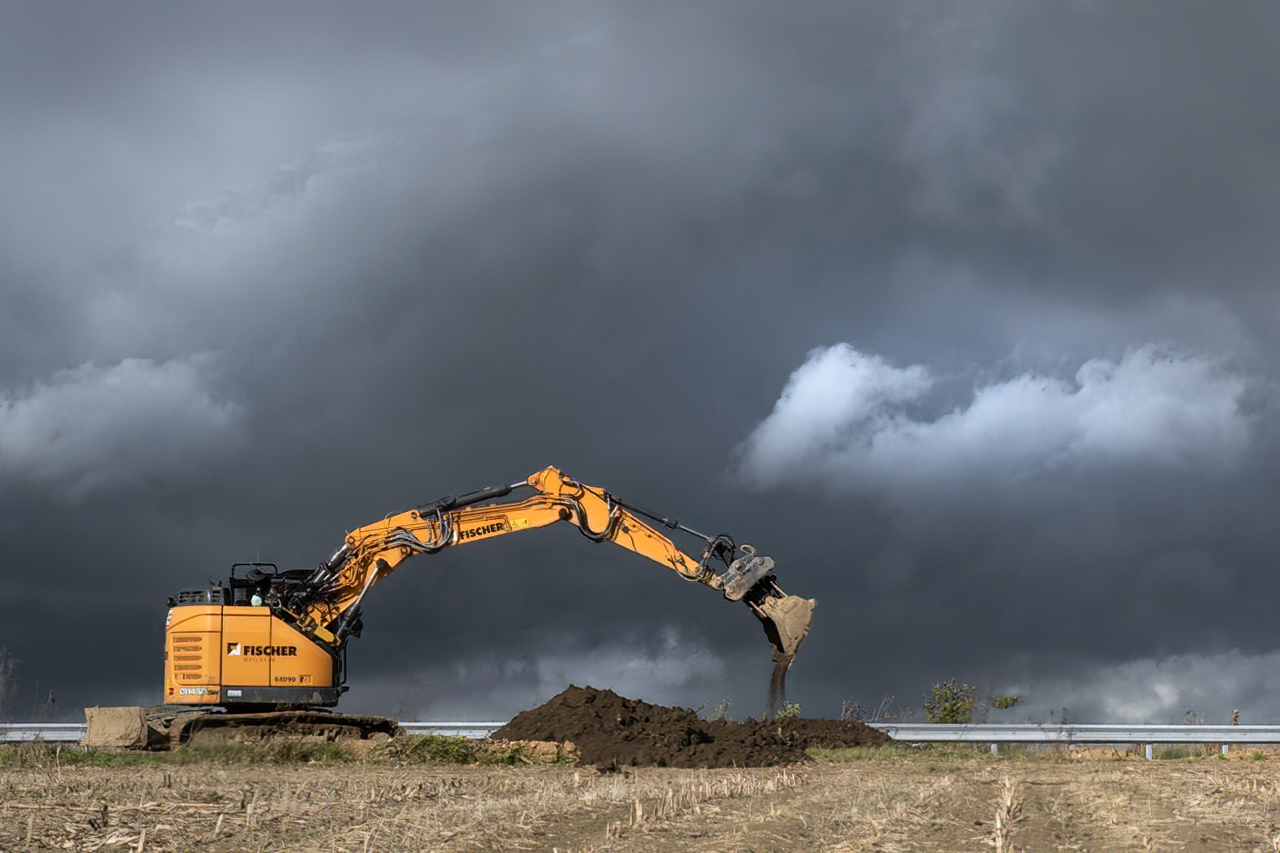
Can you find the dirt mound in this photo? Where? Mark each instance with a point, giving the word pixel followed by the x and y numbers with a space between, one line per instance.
pixel 611 731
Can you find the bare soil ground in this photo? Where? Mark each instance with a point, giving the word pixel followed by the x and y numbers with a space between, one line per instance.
pixel 893 799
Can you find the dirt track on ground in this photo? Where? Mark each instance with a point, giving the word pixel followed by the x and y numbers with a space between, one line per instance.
pixel 898 802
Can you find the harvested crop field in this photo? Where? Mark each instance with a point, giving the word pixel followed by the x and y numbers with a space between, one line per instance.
pixel 647 778
pixel 898 800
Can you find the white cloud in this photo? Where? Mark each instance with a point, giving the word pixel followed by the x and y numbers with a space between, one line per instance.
pixel 90 427
pixel 1190 688
pixel 843 421
pixel 674 670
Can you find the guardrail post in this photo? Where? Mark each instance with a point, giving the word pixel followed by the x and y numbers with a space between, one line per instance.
pixel 995 749
pixel 1148 752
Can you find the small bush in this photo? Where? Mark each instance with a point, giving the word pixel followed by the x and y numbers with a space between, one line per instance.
pixel 789 710
pixel 950 703
pixel 721 711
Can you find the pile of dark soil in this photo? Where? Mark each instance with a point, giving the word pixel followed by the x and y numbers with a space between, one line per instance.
pixel 611 732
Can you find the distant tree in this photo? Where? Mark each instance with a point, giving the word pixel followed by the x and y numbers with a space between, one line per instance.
pixel 950 702
pixel 48 708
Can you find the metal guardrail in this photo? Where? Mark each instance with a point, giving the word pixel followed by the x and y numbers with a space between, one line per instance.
pixel 993 733
pixel 997 733
pixel 74 732
pixel 49 732
pixel 1076 733
pixel 473 730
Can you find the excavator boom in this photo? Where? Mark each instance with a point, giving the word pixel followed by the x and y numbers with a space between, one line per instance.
pixel 277 638
pixel 372 552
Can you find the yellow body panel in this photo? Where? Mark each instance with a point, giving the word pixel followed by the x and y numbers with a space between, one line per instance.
pixel 213 650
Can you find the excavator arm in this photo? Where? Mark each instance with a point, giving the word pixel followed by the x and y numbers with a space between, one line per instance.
pixel 328 604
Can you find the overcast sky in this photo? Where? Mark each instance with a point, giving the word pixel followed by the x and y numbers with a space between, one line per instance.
pixel 965 314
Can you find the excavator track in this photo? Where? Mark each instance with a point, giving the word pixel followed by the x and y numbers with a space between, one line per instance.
pixel 166 727
pixel 212 728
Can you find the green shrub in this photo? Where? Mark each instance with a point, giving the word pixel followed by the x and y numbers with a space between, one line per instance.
pixel 789 710
pixel 950 703
pixel 430 749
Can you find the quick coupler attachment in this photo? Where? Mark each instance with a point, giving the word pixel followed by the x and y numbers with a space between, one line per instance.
pixel 744 573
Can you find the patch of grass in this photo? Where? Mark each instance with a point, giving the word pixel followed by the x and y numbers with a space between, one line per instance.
pixel 1019 752
pixel 27 755
pixel 44 755
pixel 1180 752
pixel 269 751
pixel 942 756
pixel 506 756
pixel 861 753
pixel 102 758
pixel 399 751
pixel 428 749
pixel 412 749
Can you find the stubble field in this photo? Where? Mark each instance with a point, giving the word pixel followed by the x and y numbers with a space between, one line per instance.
pixel 893 799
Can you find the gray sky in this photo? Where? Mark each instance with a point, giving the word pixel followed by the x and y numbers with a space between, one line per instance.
pixel 965 315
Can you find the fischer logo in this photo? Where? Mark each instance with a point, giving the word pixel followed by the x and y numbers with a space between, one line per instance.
pixel 482 530
pixel 242 650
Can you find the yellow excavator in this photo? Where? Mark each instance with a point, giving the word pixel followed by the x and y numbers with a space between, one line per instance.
pixel 267 647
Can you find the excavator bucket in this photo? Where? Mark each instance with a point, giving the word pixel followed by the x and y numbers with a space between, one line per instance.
pixel 786 620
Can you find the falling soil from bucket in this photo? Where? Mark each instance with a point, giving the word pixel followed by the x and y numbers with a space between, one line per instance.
pixel 778 687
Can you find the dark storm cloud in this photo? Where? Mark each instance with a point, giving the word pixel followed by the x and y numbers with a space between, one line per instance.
pixel 270 272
